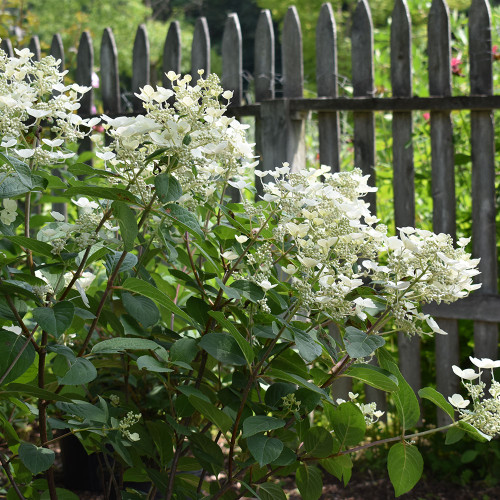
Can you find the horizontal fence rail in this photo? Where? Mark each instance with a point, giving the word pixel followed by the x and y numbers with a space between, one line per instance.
pixel 280 127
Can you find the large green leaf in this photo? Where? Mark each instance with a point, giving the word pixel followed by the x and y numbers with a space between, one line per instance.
pixel 144 288
pixel 38 247
pixel 183 219
pixel 212 413
pixel 127 222
pixel 271 491
pixel 31 390
pixel 339 466
pixel 62 494
pixel 35 458
pixel 245 347
pixel 374 376
pixel 141 308
pixel 122 344
pixel 183 350
pixel 103 193
pixel 348 423
pixel 264 449
pixel 57 319
pixel 112 259
pixel 404 398
pixel 360 345
pixel 474 433
pixel 438 399
pixel 207 452
pixel 81 371
pixel 260 423
pixel 405 466
pixel 223 348
pixel 309 482
pixel 318 442
pixel 167 187
pixel 151 364
pixel 296 379
pixel 249 290
pixel 11 345
pixel 308 348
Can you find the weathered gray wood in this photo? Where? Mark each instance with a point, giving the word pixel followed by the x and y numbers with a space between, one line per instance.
pixel 140 65
pixel 34 47
pixel 264 82
pixel 326 81
pixel 110 78
pixel 483 171
pixel 443 179
pixel 172 51
pixel 363 85
pixel 200 50
pixel 478 307
pixel 57 50
pixel 403 170
pixel 291 54
pixel 6 46
pixel 232 59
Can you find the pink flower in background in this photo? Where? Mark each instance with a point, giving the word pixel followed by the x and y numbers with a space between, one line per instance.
pixel 495 53
pixel 95 80
pixel 456 62
pixel 427 116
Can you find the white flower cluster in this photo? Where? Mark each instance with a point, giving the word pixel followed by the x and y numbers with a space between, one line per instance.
pixel 369 410
pixel 485 412
pixel 32 92
pixel 128 421
pixel 203 148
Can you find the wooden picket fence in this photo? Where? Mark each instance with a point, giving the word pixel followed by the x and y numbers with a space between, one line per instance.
pixel 280 128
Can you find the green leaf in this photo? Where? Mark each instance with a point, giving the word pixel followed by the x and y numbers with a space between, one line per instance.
pixel 122 344
pixel 11 186
pixel 35 458
pixel 127 222
pixel 309 482
pixel 474 433
pixel 308 348
pixel 30 390
pixel 271 491
pixel 151 364
pixel 142 309
pixel 223 348
pixel 38 247
pixel 144 288
pixel 183 350
pixel 249 290
pixel 104 193
pixel 348 423
pixel 374 376
pixel 84 169
pixel 183 219
pixel 62 494
pixel 318 442
pixel 162 436
pixel 212 413
pixel 340 467
pixel 207 452
pixel 10 346
pixel 404 398
pixel 264 449
pixel 168 188
pixel 245 347
pixel 82 371
pixel 438 399
pixel 296 379
pixel 260 423
pixel 57 319
pixel 454 435
pixel 87 411
pixel 360 345
pixel 405 466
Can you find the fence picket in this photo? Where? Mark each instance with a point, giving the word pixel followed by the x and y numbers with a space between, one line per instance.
pixel 443 181
pixel 403 170
pixel 483 171
pixel 363 85
pixel 172 53
pixel 326 81
pixel 232 59
pixel 6 46
pixel 140 65
pixel 200 50
pixel 110 79
pixel 34 47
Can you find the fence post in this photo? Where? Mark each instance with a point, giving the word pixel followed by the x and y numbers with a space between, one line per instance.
pixel 483 172
pixel 6 46
pixel 200 50
pixel 327 82
pixel 110 77
pixel 443 182
pixel 140 66
pixel 172 53
pixel 34 47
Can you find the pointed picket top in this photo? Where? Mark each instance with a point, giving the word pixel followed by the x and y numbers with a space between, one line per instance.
pixel 232 59
pixel 34 46
pixel 6 46
pixel 326 52
pixel 362 50
pixel 57 50
pixel 172 52
pixel 84 68
pixel 439 49
pixel 480 56
pixel 200 50
pixel 140 65
pixel 110 80
pixel 401 60
pixel 264 57
pixel 291 55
